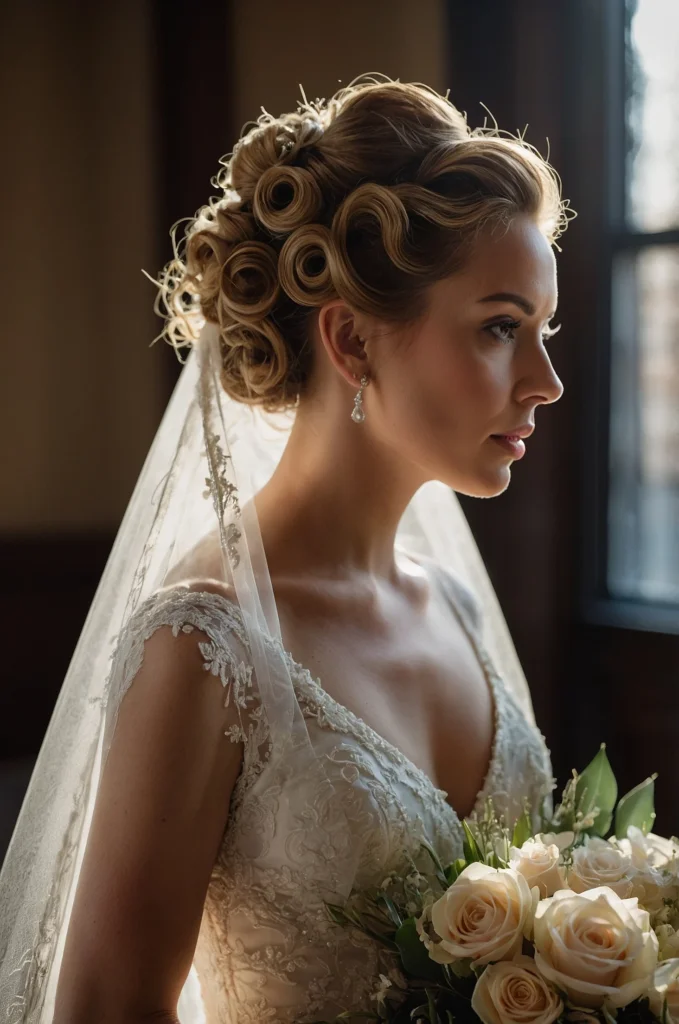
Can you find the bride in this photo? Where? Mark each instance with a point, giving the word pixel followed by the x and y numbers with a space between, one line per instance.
pixel 310 672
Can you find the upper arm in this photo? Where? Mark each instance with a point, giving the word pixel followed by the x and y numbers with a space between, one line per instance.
pixel 160 812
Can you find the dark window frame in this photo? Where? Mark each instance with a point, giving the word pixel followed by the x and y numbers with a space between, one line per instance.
pixel 599 606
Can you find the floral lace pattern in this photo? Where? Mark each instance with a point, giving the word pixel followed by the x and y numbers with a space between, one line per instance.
pixel 267 949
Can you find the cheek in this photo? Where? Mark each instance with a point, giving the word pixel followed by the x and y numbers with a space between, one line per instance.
pixel 456 387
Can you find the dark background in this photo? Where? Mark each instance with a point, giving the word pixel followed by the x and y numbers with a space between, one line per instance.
pixel 115 117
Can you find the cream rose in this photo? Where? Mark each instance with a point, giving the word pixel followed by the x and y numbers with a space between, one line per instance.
pixel 513 992
pixel 539 865
pixel 582 1017
pixel 650 851
pixel 656 863
pixel 483 916
pixel 595 946
pixel 652 888
pixel 668 942
pixel 665 986
pixel 598 863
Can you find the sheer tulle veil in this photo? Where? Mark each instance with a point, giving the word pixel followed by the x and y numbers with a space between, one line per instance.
pixel 209 457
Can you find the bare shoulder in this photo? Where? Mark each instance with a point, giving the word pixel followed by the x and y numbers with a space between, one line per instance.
pixel 455 590
pixel 205 585
pixel 201 567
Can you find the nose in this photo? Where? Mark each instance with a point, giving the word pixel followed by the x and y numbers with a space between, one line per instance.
pixel 540 383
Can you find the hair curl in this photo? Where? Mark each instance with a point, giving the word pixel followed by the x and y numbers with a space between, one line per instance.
pixel 371 196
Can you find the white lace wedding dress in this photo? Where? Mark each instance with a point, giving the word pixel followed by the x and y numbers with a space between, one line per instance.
pixel 267 950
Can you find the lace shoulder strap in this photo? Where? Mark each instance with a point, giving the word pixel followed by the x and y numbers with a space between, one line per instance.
pixel 203 609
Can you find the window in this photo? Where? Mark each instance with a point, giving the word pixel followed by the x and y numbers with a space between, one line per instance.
pixel 642 522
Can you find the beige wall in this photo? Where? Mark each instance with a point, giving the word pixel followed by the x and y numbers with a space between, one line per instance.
pixel 325 44
pixel 80 391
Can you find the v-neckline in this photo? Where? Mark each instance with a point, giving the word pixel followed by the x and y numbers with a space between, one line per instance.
pixel 359 724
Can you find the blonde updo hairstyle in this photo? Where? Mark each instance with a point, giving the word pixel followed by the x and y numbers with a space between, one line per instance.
pixel 371 196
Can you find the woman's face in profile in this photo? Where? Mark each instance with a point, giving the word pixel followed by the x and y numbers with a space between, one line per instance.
pixel 474 366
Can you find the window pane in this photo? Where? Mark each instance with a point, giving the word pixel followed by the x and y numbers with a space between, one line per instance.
pixel 653 115
pixel 644 482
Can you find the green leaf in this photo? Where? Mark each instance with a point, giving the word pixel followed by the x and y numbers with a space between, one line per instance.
pixel 417 1011
pixel 437 863
pixel 471 849
pixel 462 968
pixel 414 956
pixel 391 909
pixel 433 1015
pixel 523 830
pixel 454 870
pixel 636 808
pixel 337 914
pixel 596 788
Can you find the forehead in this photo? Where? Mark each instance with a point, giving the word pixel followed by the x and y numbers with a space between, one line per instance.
pixel 517 259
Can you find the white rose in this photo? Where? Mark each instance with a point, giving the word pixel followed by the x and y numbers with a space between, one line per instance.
pixel 650 851
pixel 513 992
pixel 595 946
pixel 665 986
pixel 582 1017
pixel 668 942
pixel 483 916
pixel 539 865
pixel 656 863
pixel 652 888
pixel 598 863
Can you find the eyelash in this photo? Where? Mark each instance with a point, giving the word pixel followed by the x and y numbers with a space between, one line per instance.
pixel 514 325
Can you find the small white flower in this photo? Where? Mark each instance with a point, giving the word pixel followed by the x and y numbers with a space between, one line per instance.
pixel 560 839
pixel 381 991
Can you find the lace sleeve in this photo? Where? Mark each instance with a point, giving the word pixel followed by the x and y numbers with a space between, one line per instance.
pixel 222 645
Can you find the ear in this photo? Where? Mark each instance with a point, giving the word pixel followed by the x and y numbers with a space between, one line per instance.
pixel 342 340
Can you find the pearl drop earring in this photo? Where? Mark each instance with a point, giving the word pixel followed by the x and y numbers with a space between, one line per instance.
pixel 358 414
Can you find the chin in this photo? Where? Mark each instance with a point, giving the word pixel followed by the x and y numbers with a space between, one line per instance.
pixel 488 484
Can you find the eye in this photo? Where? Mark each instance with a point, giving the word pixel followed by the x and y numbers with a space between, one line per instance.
pixel 504 325
pixel 507 328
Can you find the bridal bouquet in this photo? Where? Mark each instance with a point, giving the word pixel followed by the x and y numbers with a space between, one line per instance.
pixel 578 923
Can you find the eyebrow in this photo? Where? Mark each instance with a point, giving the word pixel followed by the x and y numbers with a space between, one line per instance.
pixel 518 300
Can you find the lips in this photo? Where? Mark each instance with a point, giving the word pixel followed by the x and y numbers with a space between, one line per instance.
pixel 525 430
pixel 513 445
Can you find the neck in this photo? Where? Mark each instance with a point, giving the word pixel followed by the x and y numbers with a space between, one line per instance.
pixel 334 502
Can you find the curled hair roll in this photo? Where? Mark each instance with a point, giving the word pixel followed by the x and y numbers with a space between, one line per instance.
pixel 255 362
pixel 272 142
pixel 304 266
pixel 249 282
pixel 378 208
pixel 371 196
pixel 286 198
